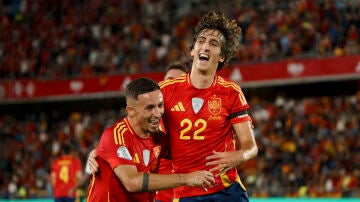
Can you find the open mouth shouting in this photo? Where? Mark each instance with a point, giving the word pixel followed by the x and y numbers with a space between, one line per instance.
pixel 204 57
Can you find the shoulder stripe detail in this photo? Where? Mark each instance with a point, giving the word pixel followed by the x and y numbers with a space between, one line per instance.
pixel 166 82
pixel 226 84
pixel 92 182
pixel 118 132
pixel 235 86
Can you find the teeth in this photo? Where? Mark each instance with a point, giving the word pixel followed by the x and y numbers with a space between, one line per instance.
pixel 154 121
pixel 204 56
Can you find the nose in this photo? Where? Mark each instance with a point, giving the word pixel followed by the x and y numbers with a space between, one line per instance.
pixel 158 112
pixel 206 45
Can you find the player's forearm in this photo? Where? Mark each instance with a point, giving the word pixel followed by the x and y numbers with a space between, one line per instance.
pixel 200 178
pixel 134 181
pixel 249 153
pixel 144 182
pixel 159 182
pixel 245 141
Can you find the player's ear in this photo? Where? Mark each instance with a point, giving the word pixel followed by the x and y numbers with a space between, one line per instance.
pixel 130 111
pixel 222 57
pixel 192 52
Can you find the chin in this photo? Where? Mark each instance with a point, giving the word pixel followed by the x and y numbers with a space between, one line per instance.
pixel 154 130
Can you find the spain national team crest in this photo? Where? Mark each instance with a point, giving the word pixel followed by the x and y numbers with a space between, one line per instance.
pixel 157 151
pixel 214 106
pixel 197 104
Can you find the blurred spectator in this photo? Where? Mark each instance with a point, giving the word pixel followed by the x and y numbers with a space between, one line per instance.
pixel 49 39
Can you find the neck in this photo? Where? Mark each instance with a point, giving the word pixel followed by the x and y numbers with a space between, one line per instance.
pixel 137 129
pixel 201 80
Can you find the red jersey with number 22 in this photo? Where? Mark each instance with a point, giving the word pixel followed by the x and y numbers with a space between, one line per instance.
pixel 198 122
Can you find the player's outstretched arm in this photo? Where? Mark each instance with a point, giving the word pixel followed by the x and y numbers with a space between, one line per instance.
pixel 135 181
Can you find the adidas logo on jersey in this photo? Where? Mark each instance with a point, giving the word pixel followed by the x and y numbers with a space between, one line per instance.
pixel 178 107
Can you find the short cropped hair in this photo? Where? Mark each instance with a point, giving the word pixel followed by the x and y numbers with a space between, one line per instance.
pixel 140 86
pixel 177 65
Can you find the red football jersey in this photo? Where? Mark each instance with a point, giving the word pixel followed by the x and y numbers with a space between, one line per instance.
pixel 64 169
pixel 119 145
pixel 166 195
pixel 199 121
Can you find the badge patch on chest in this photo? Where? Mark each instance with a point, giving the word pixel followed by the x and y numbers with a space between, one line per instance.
pixel 214 105
pixel 124 153
pixel 146 156
pixel 197 104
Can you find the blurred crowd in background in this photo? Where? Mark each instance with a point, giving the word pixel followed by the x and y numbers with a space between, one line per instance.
pixel 307 146
pixel 51 38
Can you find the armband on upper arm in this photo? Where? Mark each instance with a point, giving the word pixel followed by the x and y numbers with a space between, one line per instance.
pixel 238 114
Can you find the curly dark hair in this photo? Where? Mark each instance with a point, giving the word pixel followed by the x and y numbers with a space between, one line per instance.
pixel 229 29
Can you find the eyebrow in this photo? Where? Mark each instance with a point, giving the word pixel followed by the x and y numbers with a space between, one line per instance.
pixel 150 106
pixel 211 39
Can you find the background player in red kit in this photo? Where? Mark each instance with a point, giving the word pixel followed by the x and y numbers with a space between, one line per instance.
pixel 172 71
pixel 129 151
pixel 66 170
pixel 205 112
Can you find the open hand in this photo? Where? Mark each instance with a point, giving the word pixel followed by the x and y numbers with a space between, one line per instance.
pixel 223 162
